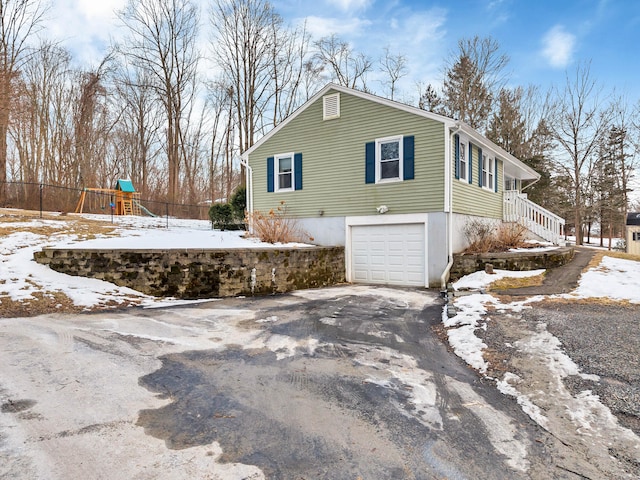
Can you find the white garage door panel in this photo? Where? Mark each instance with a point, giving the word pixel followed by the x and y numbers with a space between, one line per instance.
pixel 388 254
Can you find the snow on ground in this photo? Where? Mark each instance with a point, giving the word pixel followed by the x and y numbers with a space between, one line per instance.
pixel 613 278
pixel 481 279
pixel 21 277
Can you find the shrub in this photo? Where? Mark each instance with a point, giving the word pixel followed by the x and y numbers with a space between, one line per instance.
pixel 275 226
pixel 480 235
pixel 485 236
pixel 239 203
pixel 620 245
pixel 221 215
pixel 510 235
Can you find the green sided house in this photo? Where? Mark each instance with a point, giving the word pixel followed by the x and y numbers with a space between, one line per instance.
pixel 394 184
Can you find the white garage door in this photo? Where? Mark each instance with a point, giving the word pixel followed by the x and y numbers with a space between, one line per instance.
pixel 388 254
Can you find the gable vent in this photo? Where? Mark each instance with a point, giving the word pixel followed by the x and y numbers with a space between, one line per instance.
pixel 331 106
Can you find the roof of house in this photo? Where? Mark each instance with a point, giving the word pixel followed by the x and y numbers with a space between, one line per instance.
pixel 125 186
pixel 633 218
pixel 512 165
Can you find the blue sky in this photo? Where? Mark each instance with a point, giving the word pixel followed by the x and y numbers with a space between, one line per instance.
pixel 543 38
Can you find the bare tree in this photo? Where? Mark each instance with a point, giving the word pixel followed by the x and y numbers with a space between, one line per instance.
pixel 346 67
pixel 289 56
pixel 577 123
pixel 19 20
pixel 625 149
pixel 472 80
pixel 394 67
pixel 139 125
pixel 246 34
pixel 92 126
pixel 162 41
pixel 220 101
pixel 32 128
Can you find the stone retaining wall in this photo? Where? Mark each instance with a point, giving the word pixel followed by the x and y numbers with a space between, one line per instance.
pixel 465 263
pixel 197 273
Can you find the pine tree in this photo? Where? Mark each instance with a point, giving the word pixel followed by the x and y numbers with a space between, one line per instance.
pixel 466 97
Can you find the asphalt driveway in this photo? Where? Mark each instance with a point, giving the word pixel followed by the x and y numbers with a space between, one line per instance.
pixel 346 382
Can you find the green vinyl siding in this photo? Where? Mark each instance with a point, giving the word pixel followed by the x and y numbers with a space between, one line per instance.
pixel 333 161
pixel 471 199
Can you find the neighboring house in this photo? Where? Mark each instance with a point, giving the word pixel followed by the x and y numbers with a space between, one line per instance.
pixel 394 184
pixel 633 233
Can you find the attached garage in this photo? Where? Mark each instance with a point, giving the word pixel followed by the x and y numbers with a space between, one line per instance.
pixel 387 253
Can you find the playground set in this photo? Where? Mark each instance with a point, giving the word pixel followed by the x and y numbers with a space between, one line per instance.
pixel 122 200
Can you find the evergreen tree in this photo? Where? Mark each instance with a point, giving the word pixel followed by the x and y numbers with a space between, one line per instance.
pixel 472 80
pixel 466 97
pixel 431 101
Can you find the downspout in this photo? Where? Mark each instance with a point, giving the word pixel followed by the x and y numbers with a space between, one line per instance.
pixel 448 202
pixel 249 189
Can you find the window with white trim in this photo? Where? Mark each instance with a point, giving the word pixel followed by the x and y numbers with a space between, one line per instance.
pixel 389 159
pixel 284 172
pixel 463 170
pixel 331 106
pixel 488 174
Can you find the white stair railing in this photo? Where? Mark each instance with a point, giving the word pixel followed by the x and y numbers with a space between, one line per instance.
pixel 542 222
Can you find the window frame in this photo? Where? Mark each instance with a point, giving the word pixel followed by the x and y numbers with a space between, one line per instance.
pixel 488 173
pixel 463 165
pixel 379 142
pixel 276 172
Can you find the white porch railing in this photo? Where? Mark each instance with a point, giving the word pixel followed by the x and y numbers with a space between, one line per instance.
pixel 542 222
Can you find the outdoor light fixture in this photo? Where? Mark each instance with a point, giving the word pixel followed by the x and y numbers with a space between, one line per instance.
pixel 382 209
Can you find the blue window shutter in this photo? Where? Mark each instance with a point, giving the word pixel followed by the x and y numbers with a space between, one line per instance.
pixel 479 167
pixel 370 162
pixel 470 163
pixel 408 147
pixel 456 139
pixel 297 167
pixel 495 176
pixel 270 182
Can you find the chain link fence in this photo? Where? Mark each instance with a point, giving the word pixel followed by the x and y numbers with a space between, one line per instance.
pixel 54 198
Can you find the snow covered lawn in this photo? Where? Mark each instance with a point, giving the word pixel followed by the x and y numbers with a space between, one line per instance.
pixel 27 287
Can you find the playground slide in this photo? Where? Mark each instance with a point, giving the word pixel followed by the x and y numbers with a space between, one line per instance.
pixel 145 210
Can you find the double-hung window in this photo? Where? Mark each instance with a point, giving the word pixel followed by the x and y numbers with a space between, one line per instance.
pixel 462 170
pixel 284 172
pixel 389 159
pixel 488 174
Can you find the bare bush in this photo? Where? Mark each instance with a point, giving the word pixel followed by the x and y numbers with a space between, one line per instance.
pixel 510 235
pixel 275 226
pixel 480 235
pixel 484 236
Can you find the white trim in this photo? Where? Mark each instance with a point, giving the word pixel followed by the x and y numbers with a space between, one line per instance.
pixel 398 219
pixel 276 172
pixel 334 114
pixel 378 159
pixel 491 174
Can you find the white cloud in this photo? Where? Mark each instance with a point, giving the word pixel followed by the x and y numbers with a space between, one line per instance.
pixel 347 28
pixel 558 46
pixel 349 5
pixel 84 26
